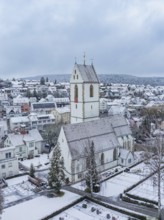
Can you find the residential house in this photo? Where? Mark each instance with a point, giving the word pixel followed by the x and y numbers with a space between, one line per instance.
pixel 62 115
pixel 26 144
pixel 8 162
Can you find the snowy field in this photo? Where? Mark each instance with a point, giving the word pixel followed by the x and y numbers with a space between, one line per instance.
pixel 148 190
pixel 117 184
pixel 18 188
pixel 38 208
pixel 77 212
pixel 39 163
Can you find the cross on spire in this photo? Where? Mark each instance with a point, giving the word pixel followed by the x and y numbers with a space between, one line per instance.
pixel 84 58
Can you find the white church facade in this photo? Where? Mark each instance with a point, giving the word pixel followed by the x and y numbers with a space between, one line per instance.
pixel 109 135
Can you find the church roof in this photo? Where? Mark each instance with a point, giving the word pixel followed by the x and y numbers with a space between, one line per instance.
pixel 103 132
pixel 88 73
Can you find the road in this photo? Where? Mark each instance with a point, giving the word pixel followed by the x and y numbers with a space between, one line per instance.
pixel 117 202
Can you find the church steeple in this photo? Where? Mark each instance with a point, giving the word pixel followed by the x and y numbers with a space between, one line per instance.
pixel 84 93
pixel 84 58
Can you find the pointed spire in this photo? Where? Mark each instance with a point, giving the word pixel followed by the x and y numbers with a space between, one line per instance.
pixel 84 58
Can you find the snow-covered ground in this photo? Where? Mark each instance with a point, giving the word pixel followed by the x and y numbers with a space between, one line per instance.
pixel 18 188
pixel 39 207
pixel 80 213
pixel 115 185
pixel 148 190
pixel 39 163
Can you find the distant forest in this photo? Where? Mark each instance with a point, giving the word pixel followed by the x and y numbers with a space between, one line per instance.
pixel 111 78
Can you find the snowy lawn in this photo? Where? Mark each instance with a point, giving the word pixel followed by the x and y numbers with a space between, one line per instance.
pixel 17 180
pixel 115 185
pixel 148 190
pixel 80 213
pixel 39 207
pixel 18 188
pixel 39 163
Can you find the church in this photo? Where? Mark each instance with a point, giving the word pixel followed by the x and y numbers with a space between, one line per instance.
pixel 111 135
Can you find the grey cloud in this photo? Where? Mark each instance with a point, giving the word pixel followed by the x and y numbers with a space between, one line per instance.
pixel 44 36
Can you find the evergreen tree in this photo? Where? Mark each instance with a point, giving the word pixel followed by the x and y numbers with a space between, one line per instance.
pixel 35 94
pixel 28 93
pixel 42 81
pixel 32 170
pixel 1 201
pixel 56 174
pixel 91 174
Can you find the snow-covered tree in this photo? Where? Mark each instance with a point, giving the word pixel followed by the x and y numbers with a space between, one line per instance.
pixel 56 173
pixel 32 171
pixel 42 81
pixel 91 176
pixel 1 201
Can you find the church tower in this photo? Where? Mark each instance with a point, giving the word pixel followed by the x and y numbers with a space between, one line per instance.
pixel 84 92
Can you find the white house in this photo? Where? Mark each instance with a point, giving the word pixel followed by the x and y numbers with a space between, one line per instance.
pixel 3 128
pixel 8 162
pixel 107 134
pixel 62 115
pixel 26 144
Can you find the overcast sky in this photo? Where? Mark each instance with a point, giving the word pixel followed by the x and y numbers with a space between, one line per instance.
pixel 44 36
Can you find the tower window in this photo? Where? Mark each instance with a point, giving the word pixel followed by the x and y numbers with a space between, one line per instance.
pixel 76 105
pixel 115 154
pixel 102 158
pixel 91 90
pixel 76 93
pixel 77 76
pixel 75 71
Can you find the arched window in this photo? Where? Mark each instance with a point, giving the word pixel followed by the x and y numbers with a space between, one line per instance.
pixel 78 167
pixel 114 154
pixel 102 158
pixel 76 93
pixel 91 90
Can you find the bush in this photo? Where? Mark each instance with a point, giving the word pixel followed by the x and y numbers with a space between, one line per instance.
pixel 96 188
pixel 87 190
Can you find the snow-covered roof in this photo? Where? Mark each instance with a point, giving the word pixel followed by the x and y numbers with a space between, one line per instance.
pixel 63 110
pixel 87 73
pixel 18 139
pixel 102 132
pixel 19 119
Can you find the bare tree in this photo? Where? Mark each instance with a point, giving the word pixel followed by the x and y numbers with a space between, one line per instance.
pixel 51 133
pixel 155 156
pixel 1 201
